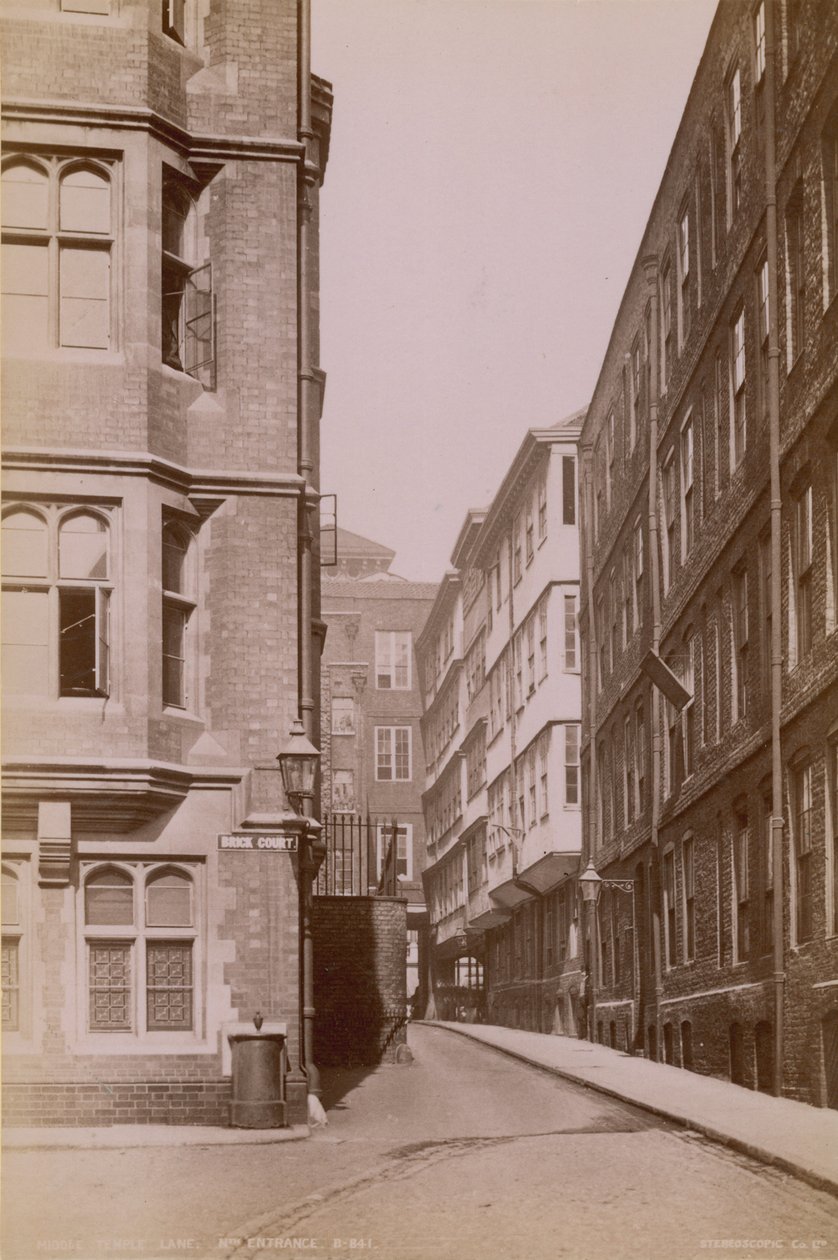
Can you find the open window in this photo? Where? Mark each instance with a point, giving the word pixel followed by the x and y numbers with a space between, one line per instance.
pixel 188 303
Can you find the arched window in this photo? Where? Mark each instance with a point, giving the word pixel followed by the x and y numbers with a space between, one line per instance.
pixel 85 202
pixel 168 900
pixel 25 196
pixel 109 898
pixel 57 241
pixel 56 562
pixel 83 547
pixel 25 544
pixel 140 941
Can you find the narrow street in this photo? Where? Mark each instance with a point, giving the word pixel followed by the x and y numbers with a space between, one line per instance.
pixel 464 1154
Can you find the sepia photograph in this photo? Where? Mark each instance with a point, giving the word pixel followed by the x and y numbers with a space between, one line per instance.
pixel 419 629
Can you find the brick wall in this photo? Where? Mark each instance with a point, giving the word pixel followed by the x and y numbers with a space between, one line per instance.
pixel 359 979
pixel 117 1102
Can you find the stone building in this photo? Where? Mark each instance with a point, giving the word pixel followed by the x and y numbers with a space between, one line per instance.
pixel 710 536
pixel 161 410
pixel 373 762
pixel 500 666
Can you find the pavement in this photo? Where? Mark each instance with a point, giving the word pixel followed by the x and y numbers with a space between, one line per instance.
pixel 787 1135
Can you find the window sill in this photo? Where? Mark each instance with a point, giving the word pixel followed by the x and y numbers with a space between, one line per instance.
pixel 157 1043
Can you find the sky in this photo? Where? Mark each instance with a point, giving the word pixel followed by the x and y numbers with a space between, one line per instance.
pixel 492 167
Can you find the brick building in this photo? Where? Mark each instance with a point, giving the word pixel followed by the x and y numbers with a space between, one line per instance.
pixel 500 666
pixel 709 536
pixel 372 762
pixel 161 408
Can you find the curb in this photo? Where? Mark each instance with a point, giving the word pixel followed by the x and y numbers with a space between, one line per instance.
pixel 817 1180
pixel 114 1137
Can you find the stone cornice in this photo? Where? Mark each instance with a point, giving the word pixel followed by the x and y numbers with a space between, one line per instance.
pixel 127 118
pixel 116 794
pixel 200 482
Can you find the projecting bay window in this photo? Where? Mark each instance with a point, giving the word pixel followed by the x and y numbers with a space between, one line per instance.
pixel 178 612
pixel 58 240
pixel 188 304
pixel 140 937
pixel 393 754
pixel 56 601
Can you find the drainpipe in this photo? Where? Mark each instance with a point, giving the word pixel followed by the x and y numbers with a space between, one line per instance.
pixel 310 856
pixel 775 543
pixel 589 846
pixel 650 266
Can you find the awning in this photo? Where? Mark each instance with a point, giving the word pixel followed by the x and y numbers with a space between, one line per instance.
pixel 541 875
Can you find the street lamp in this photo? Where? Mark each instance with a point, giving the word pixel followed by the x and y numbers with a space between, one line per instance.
pixel 592 884
pixel 298 767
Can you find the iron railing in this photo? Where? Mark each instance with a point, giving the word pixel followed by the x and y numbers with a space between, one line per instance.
pixel 361 857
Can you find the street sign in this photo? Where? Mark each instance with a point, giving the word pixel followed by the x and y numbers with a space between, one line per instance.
pixel 253 842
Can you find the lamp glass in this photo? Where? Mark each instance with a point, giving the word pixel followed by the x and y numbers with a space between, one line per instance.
pixel 590 883
pixel 298 763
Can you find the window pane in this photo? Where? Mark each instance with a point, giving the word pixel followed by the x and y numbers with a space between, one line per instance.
pixel 169 985
pixel 343 791
pixel 83 548
pixel 26 642
pixel 110 987
pixel 175 213
pixel 25 287
pixel 24 545
pixel 77 642
pixel 109 899
pixel 85 298
pixel 25 196
pixel 174 561
pixel 85 203
pixel 174 655
pixel 169 901
pixel 11 984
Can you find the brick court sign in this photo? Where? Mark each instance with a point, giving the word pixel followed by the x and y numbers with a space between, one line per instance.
pixel 248 842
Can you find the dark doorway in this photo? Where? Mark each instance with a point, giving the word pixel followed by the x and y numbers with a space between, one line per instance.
pixel 687 1045
pixel 652 1042
pixel 668 1044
